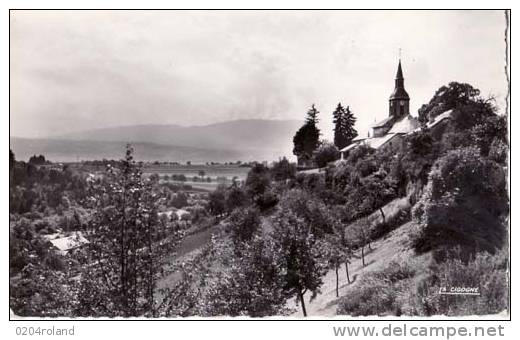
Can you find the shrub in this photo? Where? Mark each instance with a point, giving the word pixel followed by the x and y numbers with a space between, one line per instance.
pixel 455 140
pixel 283 170
pixel 373 298
pixel 311 182
pixel 258 181
pixel 310 209
pixel 16 263
pixel 54 262
pixel 391 223
pixel 486 271
pixel 267 200
pixel 492 128
pixel 197 213
pixel 251 285
pixel 498 151
pixel 179 200
pixel 326 153
pixel 180 178
pixel 462 204
pixel 217 201
pixel 366 166
pixel 243 223
pixel 41 292
pixel 359 153
pixel 235 197
pixel 380 292
pixel 40 225
pixel 420 152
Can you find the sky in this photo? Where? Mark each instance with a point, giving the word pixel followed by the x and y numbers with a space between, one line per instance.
pixel 78 70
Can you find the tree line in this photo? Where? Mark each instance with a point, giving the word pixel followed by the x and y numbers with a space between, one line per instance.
pixel 308 147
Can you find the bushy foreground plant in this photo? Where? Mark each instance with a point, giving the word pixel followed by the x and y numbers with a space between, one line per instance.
pixel 411 288
pixel 488 273
pixel 251 287
pixel 128 246
pixel 379 293
pixel 462 204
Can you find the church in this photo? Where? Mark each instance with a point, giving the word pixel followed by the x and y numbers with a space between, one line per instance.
pixel 389 132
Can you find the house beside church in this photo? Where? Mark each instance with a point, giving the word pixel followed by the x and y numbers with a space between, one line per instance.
pixel 389 132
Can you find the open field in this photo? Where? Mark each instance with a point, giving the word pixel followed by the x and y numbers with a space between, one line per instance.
pixel 212 171
pixel 202 186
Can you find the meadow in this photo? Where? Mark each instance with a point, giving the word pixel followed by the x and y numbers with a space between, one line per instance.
pixel 217 173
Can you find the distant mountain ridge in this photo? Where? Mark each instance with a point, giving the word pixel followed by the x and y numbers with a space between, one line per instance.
pixel 244 140
pixel 234 135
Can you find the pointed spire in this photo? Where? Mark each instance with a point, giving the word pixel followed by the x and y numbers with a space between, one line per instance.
pixel 399 91
pixel 399 74
pixel 399 99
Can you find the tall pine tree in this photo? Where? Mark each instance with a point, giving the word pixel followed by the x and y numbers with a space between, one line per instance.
pixel 344 131
pixel 306 139
pixel 312 116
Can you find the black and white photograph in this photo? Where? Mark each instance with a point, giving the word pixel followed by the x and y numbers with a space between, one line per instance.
pixel 259 164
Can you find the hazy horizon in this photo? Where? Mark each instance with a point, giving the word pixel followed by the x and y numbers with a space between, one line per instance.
pixel 79 130
pixel 81 70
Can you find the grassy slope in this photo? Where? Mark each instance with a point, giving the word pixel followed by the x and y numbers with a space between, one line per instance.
pixel 384 250
pixel 190 246
pixel 392 247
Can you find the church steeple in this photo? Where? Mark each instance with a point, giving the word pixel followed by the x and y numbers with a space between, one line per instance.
pixel 399 99
pixel 399 75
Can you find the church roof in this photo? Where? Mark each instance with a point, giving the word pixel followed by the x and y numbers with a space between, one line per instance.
pixel 399 93
pixel 359 138
pixel 377 142
pixel 405 125
pixel 349 147
pixel 373 142
pixel 385 122
pixel 437 120
pixel 440 118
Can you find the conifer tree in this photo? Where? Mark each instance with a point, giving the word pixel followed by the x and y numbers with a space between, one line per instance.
pixel 344 131
pixel 306 139
pixel 337 119
pixel 312 116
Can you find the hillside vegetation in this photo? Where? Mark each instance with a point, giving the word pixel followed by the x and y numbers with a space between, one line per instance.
pixel 381 232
